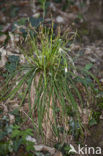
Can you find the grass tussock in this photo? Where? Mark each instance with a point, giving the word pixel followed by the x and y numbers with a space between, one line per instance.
pixel 49 80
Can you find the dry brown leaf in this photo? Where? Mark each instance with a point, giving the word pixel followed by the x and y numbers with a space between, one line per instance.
pixel 58 154
pixel 85 116
pixel 3 57
pixel 2 38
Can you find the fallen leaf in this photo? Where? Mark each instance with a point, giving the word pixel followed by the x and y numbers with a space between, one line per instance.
pixel 2 38
pixel 3 57
pixel 58 154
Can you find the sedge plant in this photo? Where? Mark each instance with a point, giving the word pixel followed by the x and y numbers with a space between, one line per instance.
pixel 48 80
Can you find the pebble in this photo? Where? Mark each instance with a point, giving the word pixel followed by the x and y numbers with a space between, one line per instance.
pixel 60 19
pixel 36 15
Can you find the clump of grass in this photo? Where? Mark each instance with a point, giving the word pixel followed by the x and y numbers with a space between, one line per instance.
pixel 50 79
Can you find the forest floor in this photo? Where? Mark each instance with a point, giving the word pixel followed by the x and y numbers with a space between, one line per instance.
pixel 87 49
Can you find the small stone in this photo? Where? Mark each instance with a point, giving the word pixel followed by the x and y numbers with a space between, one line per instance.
pixel 60 19
pixel 101 117
pixel 36 15
pixel 44 148
pixel 101 80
